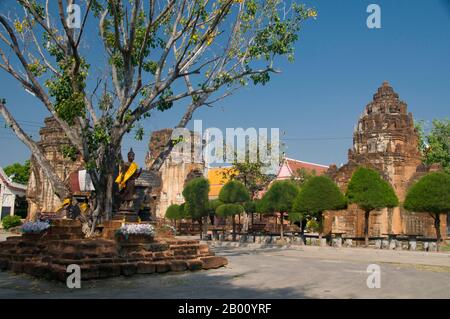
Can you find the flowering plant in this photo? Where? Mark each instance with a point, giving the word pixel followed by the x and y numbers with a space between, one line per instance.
pixel 34 227
pixel 136 229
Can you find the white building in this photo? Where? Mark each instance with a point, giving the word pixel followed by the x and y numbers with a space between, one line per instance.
pixel 10 194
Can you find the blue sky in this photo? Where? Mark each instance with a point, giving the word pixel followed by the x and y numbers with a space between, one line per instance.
pixel 317 100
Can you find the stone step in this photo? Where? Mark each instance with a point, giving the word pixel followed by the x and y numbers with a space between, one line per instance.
pixel 65 230
pixel 13 238
pixel 96 261
pixel 66 223
pixel 99 258
pixel 81 255
pixel 177 247
pixel 83 244
pixel 181 242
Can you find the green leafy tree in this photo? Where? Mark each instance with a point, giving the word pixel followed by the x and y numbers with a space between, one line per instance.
pixel 212 206
pixel 227 210
pixel 233 192
pixel 431 194
pixel 435 145
pixel 302 176
pixel 251 171
pixel 250 210
pixel 196 204
pixel 370 191
pixel 174 212
pixel 301 220
pixel 250 207
pixel 20 172
pixel 280 199
pixel 319 194
pixel 149 56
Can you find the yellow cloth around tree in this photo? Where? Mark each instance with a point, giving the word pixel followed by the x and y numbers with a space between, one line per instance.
pixel 124 177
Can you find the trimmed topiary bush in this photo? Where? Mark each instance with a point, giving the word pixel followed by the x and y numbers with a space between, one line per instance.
pixel 431 194
pixel 279 199
pixel 233 192
pixel 369 191
pixel 226 210
pixel 174 212
pixel 196 204
pixel 319 194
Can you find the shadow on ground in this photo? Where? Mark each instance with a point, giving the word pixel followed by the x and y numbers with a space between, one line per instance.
pixel 202 284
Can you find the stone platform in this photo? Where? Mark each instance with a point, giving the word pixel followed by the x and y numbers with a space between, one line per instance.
pixel 47 255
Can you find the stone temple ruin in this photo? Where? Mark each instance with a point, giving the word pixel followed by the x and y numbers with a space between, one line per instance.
pixel 384 139
pixel 177 169
pixel 40 195
pixel 156 192
pixel 47 254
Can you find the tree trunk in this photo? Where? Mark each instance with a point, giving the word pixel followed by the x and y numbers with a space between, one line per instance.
pixel 281 229
pixel 302 230
pixel 109 197
pixel 320 229
pixel 239 222
pixel 201 227
pixel 234 227
pixel 104 191
pixel 205 226
pixel 366 228
pixel 437 226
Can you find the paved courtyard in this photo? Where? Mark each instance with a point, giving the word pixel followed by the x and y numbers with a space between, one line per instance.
pixel 303 272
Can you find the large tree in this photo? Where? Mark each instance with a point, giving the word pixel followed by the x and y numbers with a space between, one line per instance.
pixel 20 172
pixel 318 194
pixel 435 144
pixel 370 191
pixel 174 212
pixel 279 199
pixel 431 194
pixel 234 195
pixel 147 55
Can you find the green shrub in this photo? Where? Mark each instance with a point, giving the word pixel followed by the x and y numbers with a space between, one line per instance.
pixel 11 221
pixel 313 226
pixel 225 210
pixel 430 194
pixel 174 212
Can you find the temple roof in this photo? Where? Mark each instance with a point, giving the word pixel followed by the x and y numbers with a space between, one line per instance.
pixel 385 91
pixel 294 165
pixel 9 183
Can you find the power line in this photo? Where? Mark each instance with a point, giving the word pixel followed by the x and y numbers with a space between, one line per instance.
pixel 36 126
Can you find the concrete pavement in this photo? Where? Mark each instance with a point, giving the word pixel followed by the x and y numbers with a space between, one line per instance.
pixel 306 272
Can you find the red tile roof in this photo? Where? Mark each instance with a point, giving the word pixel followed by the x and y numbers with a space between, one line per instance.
pixel 295 165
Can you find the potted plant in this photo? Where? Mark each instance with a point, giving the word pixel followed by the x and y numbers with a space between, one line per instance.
pixel 34 230
pixel 136 233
